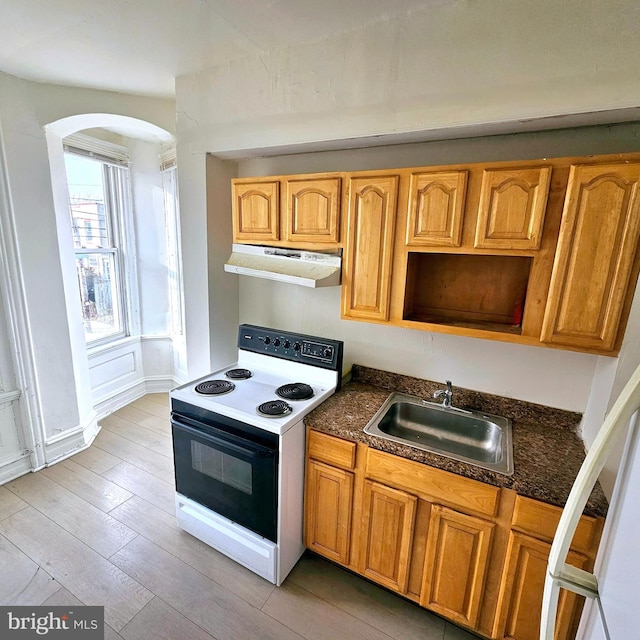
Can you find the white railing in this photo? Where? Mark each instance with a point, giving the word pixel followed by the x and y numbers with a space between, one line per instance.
pixel 559 573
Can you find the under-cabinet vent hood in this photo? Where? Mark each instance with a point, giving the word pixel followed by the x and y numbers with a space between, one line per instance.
pixel 306 268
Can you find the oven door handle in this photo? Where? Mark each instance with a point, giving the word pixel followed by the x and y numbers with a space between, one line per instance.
pixel 229 441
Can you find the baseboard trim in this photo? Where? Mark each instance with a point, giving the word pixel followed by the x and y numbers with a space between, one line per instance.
pixel 16 467
pixel 160 384
pixel 72 441
pixel 126 395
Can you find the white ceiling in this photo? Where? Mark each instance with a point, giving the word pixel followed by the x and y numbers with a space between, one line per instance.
pixel 140 46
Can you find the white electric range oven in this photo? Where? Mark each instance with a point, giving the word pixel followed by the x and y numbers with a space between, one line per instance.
pixel 239 443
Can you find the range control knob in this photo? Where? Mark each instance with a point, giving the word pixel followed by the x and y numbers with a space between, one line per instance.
pixel 327 353
pixel 286 344
pixel 267 340
pixel 297 346
pixel 276 342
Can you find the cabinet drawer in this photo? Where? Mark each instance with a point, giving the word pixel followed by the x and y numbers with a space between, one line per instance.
pixel 432 484
pixel 334 451
pixel 542 519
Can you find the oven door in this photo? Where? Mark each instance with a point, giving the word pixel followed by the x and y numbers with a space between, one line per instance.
pixel 227 473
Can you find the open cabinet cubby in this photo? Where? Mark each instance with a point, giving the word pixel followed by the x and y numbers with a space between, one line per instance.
pixel 476 291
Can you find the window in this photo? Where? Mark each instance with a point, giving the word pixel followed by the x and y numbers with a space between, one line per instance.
pixel 98 195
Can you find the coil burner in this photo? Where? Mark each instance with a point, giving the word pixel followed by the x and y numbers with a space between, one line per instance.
pixel 215 387
pixel 239 374
pixel 295 391
pixel 274 409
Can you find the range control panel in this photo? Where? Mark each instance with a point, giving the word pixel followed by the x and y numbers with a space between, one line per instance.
pixel 297 347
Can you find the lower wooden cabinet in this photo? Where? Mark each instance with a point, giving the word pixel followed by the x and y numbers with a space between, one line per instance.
pixel 456 564
pixel 468 551
pixel 388 518
pixel 520 600
pixel 329 502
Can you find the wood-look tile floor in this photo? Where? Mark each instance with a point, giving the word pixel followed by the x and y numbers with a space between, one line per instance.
pixel 99 529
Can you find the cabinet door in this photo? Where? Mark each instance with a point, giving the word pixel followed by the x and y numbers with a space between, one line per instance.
pixel 366 284
pixel 520 600
pixel 458 548
pixel 312 210
pixel 387 534
pixel 512 207
pixel 329 500
pixel 436 207
pixel 255 211
pixel 594 260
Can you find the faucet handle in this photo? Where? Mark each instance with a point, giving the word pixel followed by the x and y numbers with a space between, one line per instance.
pixel 447 393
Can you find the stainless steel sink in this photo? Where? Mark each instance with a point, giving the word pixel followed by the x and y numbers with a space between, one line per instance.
pixel 476 438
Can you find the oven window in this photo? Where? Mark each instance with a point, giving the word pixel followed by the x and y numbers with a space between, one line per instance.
pixel 222 467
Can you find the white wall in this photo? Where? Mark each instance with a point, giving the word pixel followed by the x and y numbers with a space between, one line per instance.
pixel 13 454
pixel 192 179
pixel 71 300
pixel 223 291
pixel 150 236
pixel 61 412
pixel 611 375
pixel 33 209
pixel 447 65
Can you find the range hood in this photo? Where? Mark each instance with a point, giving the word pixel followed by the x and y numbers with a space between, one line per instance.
pixel 306 268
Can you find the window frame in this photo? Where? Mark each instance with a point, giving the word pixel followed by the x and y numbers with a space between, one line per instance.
pixel 118 218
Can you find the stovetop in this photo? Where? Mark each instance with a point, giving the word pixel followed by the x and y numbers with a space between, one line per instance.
pixel 314 363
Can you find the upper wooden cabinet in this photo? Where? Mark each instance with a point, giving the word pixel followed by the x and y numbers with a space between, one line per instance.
pixel 312 210
pixel 595 259
pixel 366 276
pixel 289 210
pixel 436 208
pixel 512 207
pixel 543 253
pixel 255 210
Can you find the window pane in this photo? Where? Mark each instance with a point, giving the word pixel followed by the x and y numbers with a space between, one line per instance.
pixel 98 292
pixel 97 199
pixel 89 221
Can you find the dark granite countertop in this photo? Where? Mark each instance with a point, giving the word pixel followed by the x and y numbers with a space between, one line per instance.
pixel 547 449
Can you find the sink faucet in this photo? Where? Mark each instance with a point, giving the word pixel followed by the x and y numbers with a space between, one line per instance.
pixel 447 393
